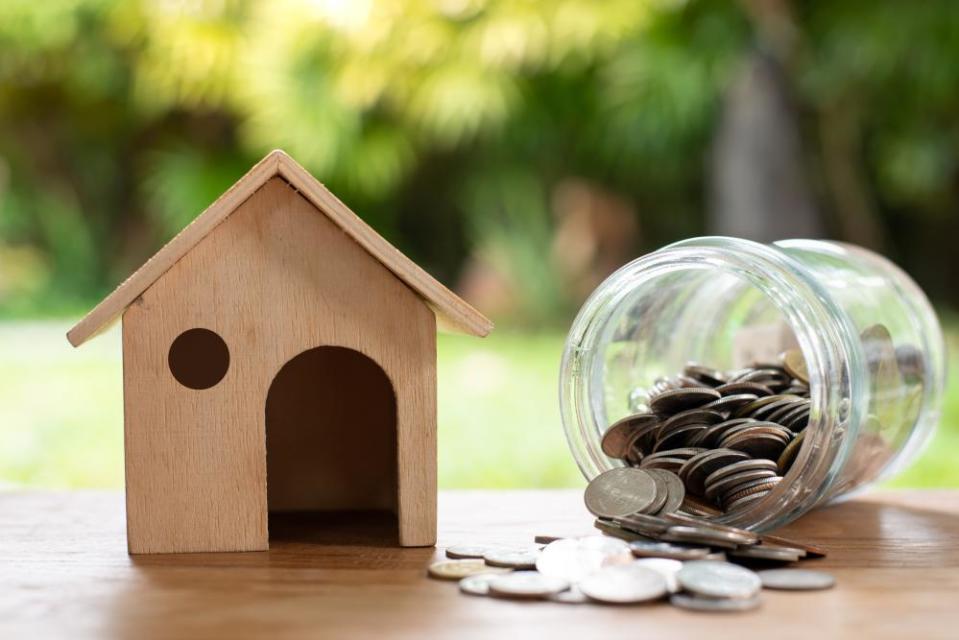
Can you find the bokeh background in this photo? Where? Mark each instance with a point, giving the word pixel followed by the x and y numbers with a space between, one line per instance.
pixel 520 150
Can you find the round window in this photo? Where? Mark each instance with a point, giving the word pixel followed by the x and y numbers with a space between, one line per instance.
pixel 199 358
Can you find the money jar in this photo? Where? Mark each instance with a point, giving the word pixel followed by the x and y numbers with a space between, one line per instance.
pixel 872 349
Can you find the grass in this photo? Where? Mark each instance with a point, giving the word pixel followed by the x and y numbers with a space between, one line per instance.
pixel 61 413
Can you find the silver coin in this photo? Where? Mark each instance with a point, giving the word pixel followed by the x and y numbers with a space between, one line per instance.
pixel 624 584
pixel 478 584
pixel 703 535
pixel 796 579
pixel 763 552
pixel 573 559
pixel 512 558
pixel 666 567
pixel 458 569
pixel 675 490
pixel 530 585
pixel 615 530
pixel 463 551
pixel 620 492
pixel 573 595
pixel 696 603
pixel 642 549
pixel 718 580
pixel 662 493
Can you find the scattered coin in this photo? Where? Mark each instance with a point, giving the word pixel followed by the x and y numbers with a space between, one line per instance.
pixel 642 549
pixel 459 569
pixel 477 584
pixel 698 603
pixel 718 579
pixel 624 584
pixel 512 558
pixel 666 567
pixel 796 579
pixel 675 490
pixel 573 559
pixel 463 551
pixel 573 595
pixel 768 553
pixel 526 585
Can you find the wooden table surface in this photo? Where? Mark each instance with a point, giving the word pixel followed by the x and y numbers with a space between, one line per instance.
pixel 65 573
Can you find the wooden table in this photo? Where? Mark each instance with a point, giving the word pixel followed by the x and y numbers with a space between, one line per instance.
pixel 65 573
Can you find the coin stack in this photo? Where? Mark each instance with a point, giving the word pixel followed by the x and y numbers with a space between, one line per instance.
pixel 727 437
pixel 641 558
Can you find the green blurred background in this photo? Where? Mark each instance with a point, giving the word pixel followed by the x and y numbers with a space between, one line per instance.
pixel 519 150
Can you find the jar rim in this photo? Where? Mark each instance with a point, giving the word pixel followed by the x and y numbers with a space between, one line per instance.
pixel 826 336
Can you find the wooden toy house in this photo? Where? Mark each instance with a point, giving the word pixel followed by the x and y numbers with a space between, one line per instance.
pixel 278 355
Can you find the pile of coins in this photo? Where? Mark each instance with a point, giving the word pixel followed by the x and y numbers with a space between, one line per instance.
pixel 728 437
pixel 641 558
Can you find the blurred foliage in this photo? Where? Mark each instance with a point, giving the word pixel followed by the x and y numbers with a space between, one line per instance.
pixel 445 123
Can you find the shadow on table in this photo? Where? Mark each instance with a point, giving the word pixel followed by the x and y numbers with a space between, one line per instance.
pixel 867 533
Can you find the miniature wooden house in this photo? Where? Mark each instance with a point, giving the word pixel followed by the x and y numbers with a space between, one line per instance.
pixel 278 355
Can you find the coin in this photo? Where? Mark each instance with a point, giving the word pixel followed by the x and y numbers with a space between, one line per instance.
pixel 616 530
pixel 697 468
pixel 736 388
pixel 477 584
pixel 686 418
pixel 675 490
pixel 730 483
pixel 685 398
pixel 666 567
pixel 546 539
pixel 679 437
pixel 718 579
pixel 458 569
pixel 796 579
pixel 463 551
pixel 810 549
pixel 512 558
pixel 737 467
pixel 705 375
pixel 763 552
pixel 618 436
pixel 643 549
pixel 761 445
pixel 573 559
pixel 750 488
pixel 701 535
pixel 620 492
pixel 570 596
pixel 795 364
pixel 696 603
pixel 789 454
pixel 624 584
pixel 526 585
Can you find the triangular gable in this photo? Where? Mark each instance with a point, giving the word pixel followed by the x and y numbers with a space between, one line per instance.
pixel 452 312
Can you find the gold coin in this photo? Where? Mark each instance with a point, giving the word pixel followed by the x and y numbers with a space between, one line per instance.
pixel 795 365
pixel 459 569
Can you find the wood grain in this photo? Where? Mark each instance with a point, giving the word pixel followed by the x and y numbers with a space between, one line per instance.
pixel 66 574
pixel 453 313
pixel 274 280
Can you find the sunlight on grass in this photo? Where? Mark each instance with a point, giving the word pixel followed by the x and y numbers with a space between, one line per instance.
pixel 61 413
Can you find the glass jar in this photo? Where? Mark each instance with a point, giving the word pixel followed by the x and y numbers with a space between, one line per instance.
pixel 873 349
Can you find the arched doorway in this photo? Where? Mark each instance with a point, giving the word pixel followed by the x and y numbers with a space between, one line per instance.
pixel 331 445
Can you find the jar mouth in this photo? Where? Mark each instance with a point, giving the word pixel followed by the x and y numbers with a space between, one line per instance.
pixel 823 331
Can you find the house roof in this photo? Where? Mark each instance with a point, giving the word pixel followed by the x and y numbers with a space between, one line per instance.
pixel 452 312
